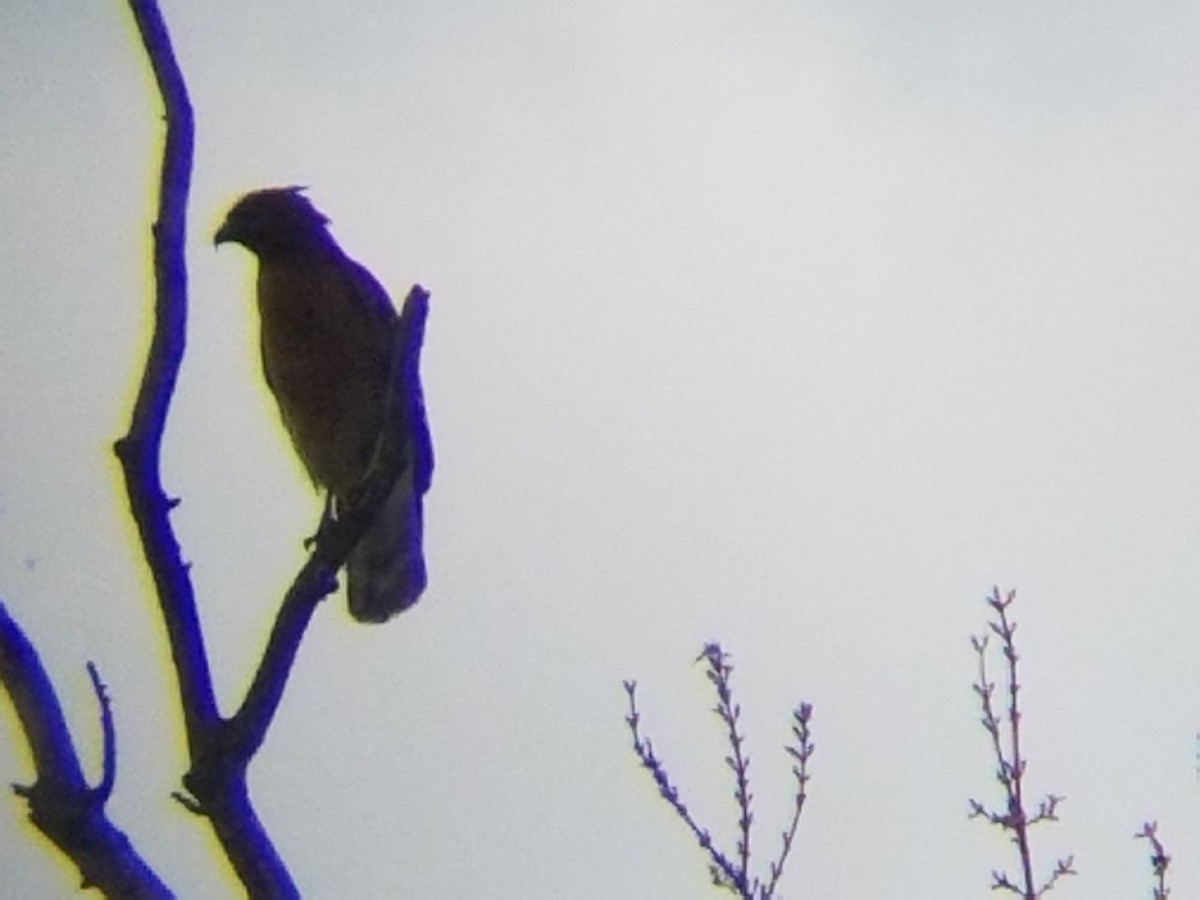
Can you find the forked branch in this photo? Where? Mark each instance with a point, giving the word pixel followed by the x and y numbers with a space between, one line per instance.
pixel 731 872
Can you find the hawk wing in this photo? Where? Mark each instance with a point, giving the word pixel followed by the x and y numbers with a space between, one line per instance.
pixel 385 573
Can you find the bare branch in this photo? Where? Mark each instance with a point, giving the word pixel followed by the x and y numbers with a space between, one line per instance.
pixel 221 789
pixel 138 451
pixel 217 776
pixel 61 804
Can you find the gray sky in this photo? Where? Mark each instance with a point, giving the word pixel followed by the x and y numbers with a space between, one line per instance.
pixel 792 325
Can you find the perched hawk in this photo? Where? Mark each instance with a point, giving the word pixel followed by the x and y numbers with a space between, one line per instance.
pixel 329 351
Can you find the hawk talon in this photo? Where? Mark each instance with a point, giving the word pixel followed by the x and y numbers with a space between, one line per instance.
pixel 323 526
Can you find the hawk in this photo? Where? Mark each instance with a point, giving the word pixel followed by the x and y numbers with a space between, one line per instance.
pixel 330 351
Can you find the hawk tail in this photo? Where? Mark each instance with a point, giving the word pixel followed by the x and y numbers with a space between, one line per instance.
pixel 385 573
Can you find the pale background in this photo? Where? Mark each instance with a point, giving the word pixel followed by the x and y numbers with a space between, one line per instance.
pixel 795 325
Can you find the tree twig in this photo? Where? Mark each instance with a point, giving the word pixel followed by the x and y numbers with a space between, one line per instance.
pixel 733 874
pixel 1015 817
pixel 1160 860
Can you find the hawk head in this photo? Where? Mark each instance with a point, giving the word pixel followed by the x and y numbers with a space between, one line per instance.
pixel 274 220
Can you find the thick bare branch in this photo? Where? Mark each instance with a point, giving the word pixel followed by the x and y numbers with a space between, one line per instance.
pixel 61 804
pixel 217 777
pixel 138 451
pixel 220 789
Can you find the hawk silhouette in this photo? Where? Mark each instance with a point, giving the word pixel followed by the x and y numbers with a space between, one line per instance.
pixel 332 356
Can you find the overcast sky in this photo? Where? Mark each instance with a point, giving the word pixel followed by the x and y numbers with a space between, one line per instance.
pixel 793 325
